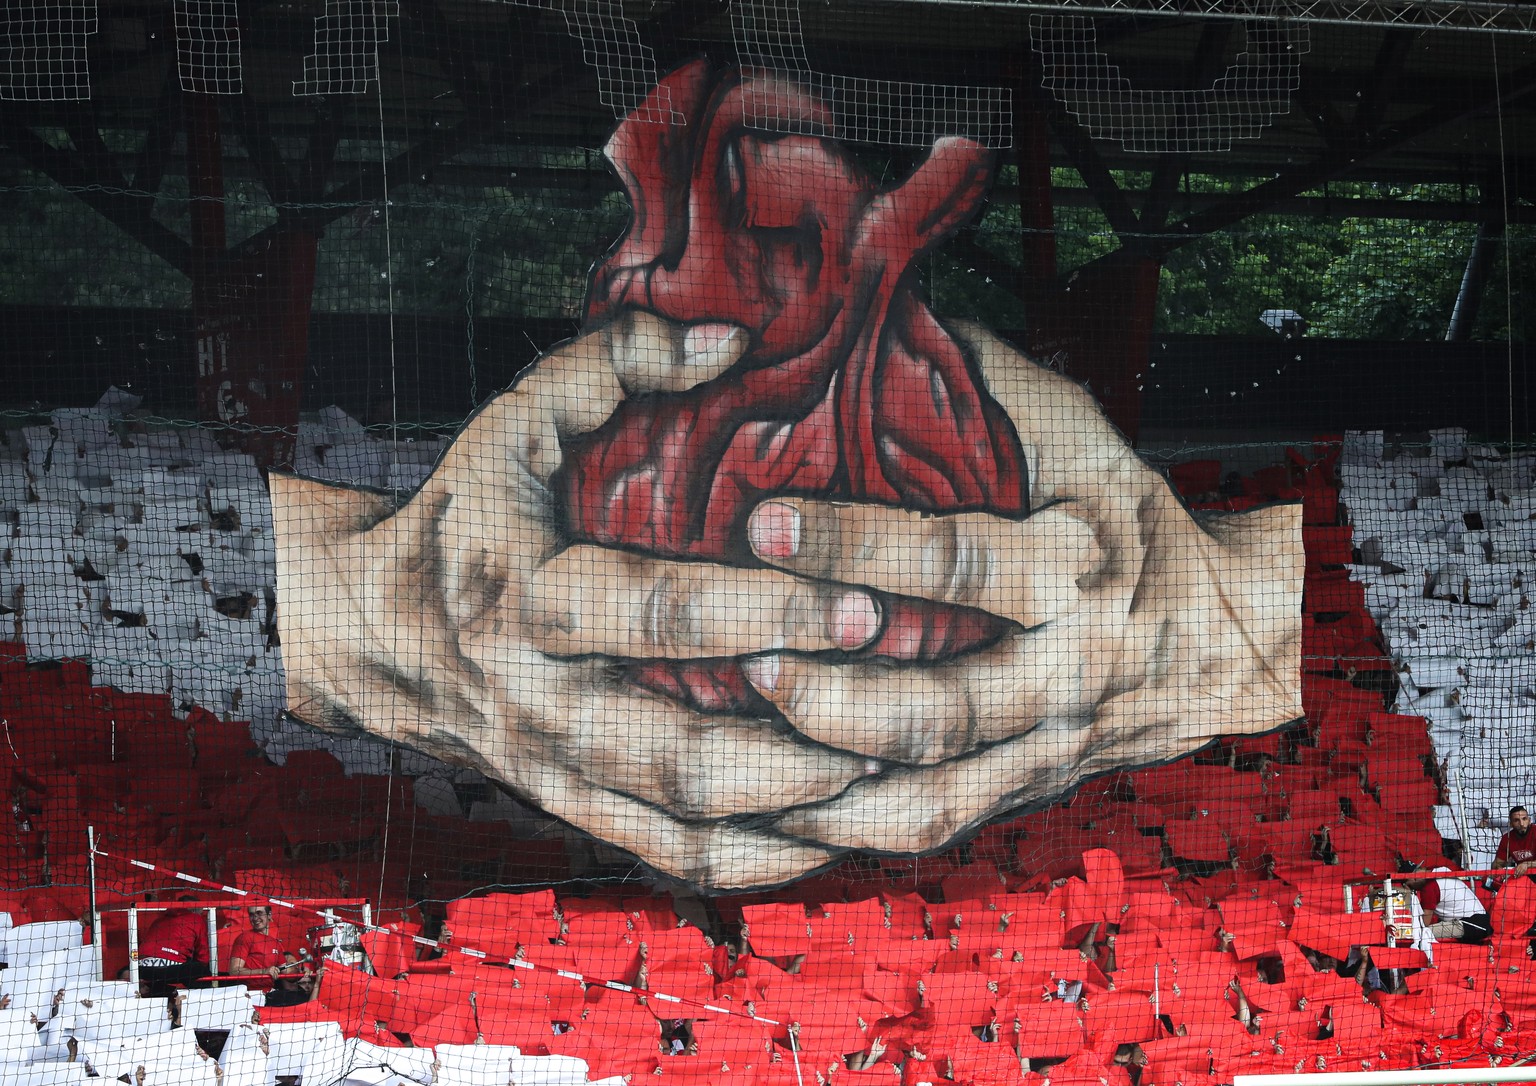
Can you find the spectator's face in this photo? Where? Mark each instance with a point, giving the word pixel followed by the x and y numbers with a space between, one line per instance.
pixel 1520 820
pixel 261 919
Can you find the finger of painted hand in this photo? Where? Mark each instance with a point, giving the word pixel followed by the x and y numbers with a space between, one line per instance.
pixel 1025 570
pixel 651 354
pixel 918 716
pixel 716 856
pixel 595 600
pixel 915 810
pixel 574 388
pixel 908 715
pixel 651 749
pixel 580 383
pixel 924 808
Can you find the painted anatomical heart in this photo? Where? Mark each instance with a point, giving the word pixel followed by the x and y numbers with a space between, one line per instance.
pixel 849 389
pixel 770 563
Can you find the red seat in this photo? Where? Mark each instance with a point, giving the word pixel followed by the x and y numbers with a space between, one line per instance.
pixel 908 914
pixel 777 931
pixel 1398 957
pixel 617 1037
pixel 389 952
pixel 1335 933
pixel 912 957
pixel 702 1071
pixel 1362 849
pixel 973 1060
pixel 1514 908
pixel 1120 1017
pixel 355 998
pixel 1088 1069
pixel 618 959
pixel 822 1027
pixel 500 923
pixel 844 924
pixel 1356 1026
pixel 1255 924
pixel 1196 478
pixel 962 999
pixel 1327 545
pixel 1046 1029
pixel 1422 846
pixel 1197 839
pixel 1319 504
pixel 735 1040
pixel 311 1011
pixel 1331 591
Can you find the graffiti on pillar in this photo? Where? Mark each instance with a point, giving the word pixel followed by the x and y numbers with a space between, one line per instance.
pixel 770 563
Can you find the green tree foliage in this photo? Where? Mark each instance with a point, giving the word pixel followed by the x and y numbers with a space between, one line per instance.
pixel 507 251
pixel 1351 277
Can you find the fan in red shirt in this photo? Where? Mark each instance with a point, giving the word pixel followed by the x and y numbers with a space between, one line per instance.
pixel 1517 848
pixel 257 952
pixel 174 951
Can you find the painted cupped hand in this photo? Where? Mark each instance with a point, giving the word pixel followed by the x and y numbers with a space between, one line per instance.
pixel 462 623
pixel 1139 632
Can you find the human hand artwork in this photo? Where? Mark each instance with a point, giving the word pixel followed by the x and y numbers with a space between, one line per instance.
pixel 770 564
pixel 460 624
pixel 1138 632
pixel 463 625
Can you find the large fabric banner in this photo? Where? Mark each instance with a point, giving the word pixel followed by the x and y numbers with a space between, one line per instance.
pixel 770 563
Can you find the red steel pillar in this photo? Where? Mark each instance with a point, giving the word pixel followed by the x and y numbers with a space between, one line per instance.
pixel 251 312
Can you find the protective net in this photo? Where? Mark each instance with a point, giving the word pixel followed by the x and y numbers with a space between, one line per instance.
pixel 770 38
pixel 43 51
pixel 346 56
pixel 765 543
pixel 208 46
pixel 1238 104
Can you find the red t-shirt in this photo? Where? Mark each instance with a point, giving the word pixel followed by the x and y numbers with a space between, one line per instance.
pixel 256 950
pixel 1515 848
pixel 178 936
